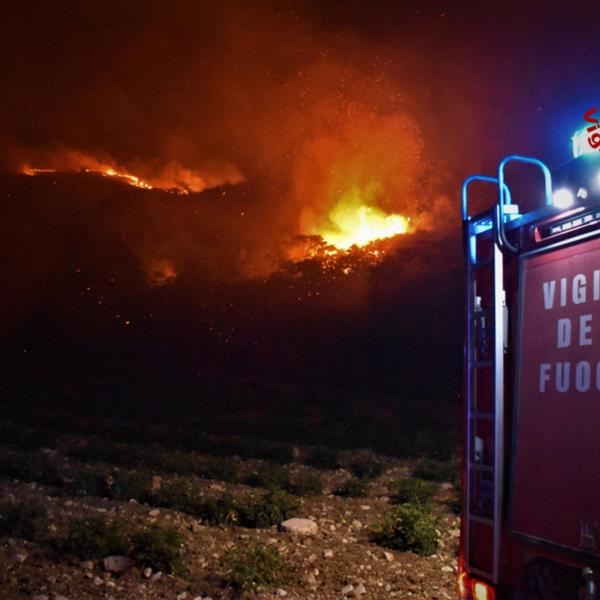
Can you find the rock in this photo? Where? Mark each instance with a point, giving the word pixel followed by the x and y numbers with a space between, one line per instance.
pixel 388 556
pixel 328 554
pixel 447 569
pixel 309 579
pixel 446 486
pixel 182 596
pixel 281 593
pixel 88 565
pixel 195 526
pixel 299 526
pixel 347 590
pixel 359 590
pixel 20 557
pixel 154 512
pixel 157 576
pixel 98 581
pixel 117 564
pixel 356 524
pixel 147 572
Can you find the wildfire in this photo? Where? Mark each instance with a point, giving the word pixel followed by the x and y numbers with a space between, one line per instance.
pixel 170 176
pixel 106 172
pixel 354 222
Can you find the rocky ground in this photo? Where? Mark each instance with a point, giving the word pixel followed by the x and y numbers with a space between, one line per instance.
pixel 337 559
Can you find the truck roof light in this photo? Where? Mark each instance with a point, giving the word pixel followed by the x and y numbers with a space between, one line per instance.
pixel 483 591
pixel 563 198
pixel 582 193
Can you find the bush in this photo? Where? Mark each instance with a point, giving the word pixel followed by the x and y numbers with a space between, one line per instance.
pixel 271 509
pixel 413 490
pixel 456 503
pixel 323 458
pixel 222 512
pixel 409 527
pixel 223 469
pixel 85 483
pixel 177 494
pixel 367 469
pixel 100 450
pixel 272 477
pixel 433 470
pixel 353 488
pixel 159 548
pixel 306 484
pixel 130 484
pixel 96 538
pixel 23 520
pixel 253 565
pixel 30 467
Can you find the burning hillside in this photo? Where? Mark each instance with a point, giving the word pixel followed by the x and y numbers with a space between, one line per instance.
pixel 168 177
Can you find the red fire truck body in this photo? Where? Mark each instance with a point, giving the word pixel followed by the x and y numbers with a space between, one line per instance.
pixel 531 500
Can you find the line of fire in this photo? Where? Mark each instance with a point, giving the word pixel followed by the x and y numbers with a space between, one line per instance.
pixel 300 300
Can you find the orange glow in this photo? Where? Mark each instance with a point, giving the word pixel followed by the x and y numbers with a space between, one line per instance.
pixel 356 221
pixel 483 591
pixel 170 176
pixel 107 172
pixel 463 585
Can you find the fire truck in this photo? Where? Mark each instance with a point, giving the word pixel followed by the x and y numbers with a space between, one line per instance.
pixel 530 525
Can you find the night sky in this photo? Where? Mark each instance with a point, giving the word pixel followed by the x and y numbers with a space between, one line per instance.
pixel 267 113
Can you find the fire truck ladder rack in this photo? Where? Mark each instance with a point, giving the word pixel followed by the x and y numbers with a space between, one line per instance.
pixel 487 339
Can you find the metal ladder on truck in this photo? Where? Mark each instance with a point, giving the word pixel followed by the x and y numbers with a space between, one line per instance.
pixel 486 244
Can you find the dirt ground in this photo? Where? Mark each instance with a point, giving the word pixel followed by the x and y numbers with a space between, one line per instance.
pixel 340 561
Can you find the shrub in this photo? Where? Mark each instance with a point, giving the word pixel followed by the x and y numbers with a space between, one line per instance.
pixel 222 512
pixel 271 509
pixel 409 527
pixel 223 469
pixel 172 461
pixel 253 565
pixel 130 484
pixel 272 477
pixel 159 548
pixel 100 450
pixel 306 484
pixel 456 503
pixel 177 494
pixel 85 483
pixel 24 520
pixel 30 467
pixel 353 488
pixel 367 469
pixel 323 458
pixel 433 470
pixel 96 538
pixel 413 490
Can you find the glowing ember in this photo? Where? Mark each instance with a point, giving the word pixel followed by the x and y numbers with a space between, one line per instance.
pixel 354 222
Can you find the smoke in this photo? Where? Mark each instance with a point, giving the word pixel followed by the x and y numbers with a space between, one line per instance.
pixel 194 97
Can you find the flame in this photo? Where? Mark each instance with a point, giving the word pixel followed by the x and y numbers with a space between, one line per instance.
pixel 171 176
pixel 356 222
pixel 105 172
